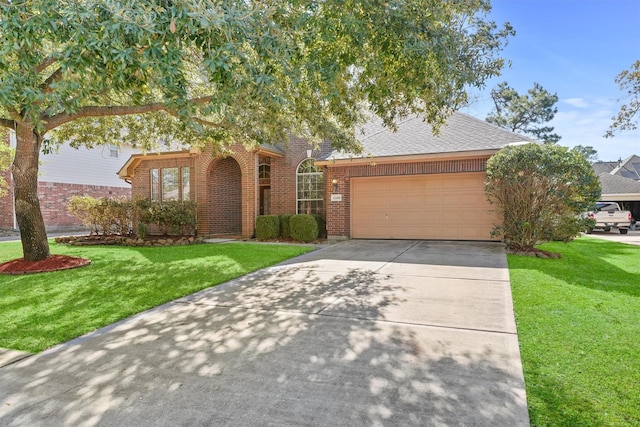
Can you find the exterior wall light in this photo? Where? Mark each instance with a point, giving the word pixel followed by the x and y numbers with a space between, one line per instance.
pixel 334 181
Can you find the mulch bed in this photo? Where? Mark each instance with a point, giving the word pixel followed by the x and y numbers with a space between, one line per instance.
pixel 535 252
pixel 52 263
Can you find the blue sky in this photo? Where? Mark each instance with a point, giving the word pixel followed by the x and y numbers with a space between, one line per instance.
pixel 574 48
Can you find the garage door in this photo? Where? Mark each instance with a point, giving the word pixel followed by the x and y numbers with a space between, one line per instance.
pixel 443 206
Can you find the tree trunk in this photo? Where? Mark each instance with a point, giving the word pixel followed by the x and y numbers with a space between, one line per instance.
pixel 35 246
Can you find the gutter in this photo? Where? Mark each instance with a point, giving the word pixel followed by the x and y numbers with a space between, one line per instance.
pixel 407 158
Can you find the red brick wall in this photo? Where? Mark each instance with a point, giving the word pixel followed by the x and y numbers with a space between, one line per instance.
pixel 204 174
pixel 215 182
pixel 283 174
pixel 338 213
pixel 55 196
pixel 225 186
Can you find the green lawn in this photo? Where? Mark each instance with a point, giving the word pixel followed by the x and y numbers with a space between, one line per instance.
pixel 38 311
pixel 578 323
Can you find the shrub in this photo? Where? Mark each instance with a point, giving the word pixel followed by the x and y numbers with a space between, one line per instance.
pixel 116 216
pixel 540 191
pixel 107 216
pixel 102 216
pixel 304 227
pixel 322 225
pixel 285 229
pixel 170 217
pixel 83 208
pixel 267 227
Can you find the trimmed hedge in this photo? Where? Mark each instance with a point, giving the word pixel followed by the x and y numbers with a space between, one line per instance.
pixel 304 227
pixel 267 227
pixel 322 225
pixel 285 229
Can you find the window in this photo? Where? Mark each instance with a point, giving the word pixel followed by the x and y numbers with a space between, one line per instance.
pixel 186 183
pixel 310 188
pixel 113 151
pixel 154 184
pixel 170 184
pixel 264 172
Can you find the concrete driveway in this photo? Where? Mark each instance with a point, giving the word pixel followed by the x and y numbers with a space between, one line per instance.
pixel 361 333
pixel 631 238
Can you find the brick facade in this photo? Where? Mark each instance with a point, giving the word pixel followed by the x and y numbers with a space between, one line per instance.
pixel 338 213
pixel 226 188
pixel 55 196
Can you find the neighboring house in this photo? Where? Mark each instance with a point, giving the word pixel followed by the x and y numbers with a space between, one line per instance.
pixel 69 172
pixel 407 184
pixel 620 183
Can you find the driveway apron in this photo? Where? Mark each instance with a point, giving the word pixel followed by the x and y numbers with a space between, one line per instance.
pixel 360 333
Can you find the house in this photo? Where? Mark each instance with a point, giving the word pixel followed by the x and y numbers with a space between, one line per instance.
pixel 407 184
pixel 65 173
pixel 620 182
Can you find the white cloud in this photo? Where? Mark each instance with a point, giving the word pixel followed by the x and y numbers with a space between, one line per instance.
pixel 576 102
pixel 587 126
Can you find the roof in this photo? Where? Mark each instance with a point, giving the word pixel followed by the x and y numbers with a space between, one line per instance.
pixel 126 172
pixel 628 168
pixel 604 167
pixel 462 133
pixel 614 184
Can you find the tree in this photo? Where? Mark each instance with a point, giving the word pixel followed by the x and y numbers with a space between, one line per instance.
pixel 589 153
pixel 150 71
pixel 524 113
pixel 540 191
pixel 629 81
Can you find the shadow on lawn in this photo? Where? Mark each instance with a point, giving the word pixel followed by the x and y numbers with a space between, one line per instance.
pixel 588 263
pixel 278 347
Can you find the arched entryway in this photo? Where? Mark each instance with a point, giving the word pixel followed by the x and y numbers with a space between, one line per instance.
pixel 225 189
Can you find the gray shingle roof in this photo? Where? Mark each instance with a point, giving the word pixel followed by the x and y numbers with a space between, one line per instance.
pixel 604 167
pixel 614 184
pixel 414 136
pixel 629 168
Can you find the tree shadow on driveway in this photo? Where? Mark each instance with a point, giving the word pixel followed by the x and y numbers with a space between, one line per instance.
pixel 265 350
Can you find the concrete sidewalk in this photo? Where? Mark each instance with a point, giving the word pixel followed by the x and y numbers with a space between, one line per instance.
pixel 355 334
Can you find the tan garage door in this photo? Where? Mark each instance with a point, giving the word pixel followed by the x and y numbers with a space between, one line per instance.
pixel 446 206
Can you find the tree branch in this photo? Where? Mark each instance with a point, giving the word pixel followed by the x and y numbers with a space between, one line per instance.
pixel 125 110
pixel 55 76
pixel 47 61
pixel 8 123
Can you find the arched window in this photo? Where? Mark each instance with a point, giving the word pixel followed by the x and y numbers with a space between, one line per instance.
pixel 310 186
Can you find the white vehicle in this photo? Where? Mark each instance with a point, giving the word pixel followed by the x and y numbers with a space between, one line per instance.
pixel 608 215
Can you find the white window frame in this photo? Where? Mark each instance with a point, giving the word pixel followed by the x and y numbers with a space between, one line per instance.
pixel 318 187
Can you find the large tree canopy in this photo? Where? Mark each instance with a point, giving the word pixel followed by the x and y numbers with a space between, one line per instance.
pixel 525 113
pixel 149 71
pixel 626 119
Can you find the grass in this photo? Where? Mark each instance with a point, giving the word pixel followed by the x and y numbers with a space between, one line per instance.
pixel 578 321
pixel 38 311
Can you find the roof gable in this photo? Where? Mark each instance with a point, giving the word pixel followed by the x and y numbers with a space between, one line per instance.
pixel 628 168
